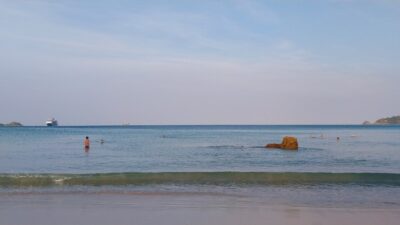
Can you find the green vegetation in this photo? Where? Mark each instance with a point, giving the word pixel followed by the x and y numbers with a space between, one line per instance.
pixel 12 124
pixel 389 120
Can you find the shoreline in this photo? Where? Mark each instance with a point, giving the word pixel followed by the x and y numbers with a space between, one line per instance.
pixel 177 209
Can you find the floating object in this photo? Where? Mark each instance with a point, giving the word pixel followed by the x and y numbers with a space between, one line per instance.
pixel 319 137
pixel 51 123
pixel 288 143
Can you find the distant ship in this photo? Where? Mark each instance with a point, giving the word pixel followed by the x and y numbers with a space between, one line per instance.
pixel 52 123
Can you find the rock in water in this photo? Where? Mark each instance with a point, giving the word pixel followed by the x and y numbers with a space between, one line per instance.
pixel 273 146
pixel 366 123
pixel 288 143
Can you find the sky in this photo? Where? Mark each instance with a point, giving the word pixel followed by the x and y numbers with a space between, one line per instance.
pixel 199 62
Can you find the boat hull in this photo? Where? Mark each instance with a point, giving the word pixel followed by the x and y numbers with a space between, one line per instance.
pixel 51 123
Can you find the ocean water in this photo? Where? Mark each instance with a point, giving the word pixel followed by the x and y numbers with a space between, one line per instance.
pixel 373 149
pixel 361 168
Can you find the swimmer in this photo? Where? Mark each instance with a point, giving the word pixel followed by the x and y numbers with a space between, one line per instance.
pixel 86 143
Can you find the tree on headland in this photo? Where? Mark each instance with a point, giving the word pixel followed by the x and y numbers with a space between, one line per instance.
pixel 389 120
pixel 385 121
pixel 11 124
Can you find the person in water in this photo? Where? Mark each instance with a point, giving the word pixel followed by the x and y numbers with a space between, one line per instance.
pixel 86 143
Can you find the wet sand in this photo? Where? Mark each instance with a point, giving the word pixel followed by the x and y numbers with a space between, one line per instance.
pixel 175 209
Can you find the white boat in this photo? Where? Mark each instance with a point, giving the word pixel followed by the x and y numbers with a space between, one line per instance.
pixel 52 123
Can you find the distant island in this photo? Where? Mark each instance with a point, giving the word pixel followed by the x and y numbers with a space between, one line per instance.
pixel 385 121
pixel 12 124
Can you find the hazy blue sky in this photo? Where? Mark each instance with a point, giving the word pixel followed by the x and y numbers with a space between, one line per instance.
pixel 199 62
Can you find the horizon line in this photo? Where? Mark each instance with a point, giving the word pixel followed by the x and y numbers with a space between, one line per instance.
pixel 132 125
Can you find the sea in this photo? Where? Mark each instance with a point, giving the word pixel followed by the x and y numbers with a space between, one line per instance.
pixel 335 165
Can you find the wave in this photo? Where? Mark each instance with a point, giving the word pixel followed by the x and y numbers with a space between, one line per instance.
pixel 200 178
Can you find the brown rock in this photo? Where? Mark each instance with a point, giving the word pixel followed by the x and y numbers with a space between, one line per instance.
pixel 273 146
pixel 288 143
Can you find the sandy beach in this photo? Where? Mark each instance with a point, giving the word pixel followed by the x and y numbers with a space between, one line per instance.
pixel 175 209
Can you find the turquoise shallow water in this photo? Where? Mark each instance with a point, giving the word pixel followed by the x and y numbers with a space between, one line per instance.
pixel 371 149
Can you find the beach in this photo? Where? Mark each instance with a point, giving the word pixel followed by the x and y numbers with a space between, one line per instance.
pixel 176 209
